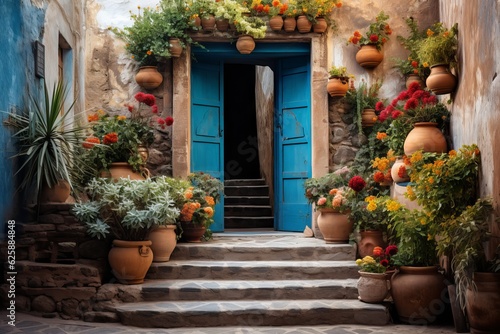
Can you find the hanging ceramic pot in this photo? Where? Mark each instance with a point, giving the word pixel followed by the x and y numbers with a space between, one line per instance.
pixel 337 86
pixel 276 23
pixel 414 78
pixel 320 25
pixel 289 23
pixel 208 23
pixel 334 226
pixel 245 44
pixel 441 80
pixel 222 25
pixel 175 47
pixel 369 56
pixel 425 136
pixel 372 287
pixel 368 117
pixel 148 77
pixel 303 24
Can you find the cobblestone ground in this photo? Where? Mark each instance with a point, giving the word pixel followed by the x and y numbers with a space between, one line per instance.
pixel 31 324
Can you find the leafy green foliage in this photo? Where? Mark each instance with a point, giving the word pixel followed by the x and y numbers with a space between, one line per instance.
pixel 440 46
pixel 360 98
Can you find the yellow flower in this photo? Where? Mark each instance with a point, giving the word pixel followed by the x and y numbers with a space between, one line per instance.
pixel 452 153
pixel 416 157
pixel 409 193
pixel 368 260
pixel 370 198
pixel 371 206
pixel 429 237
pixel 392 205
pixel 359 262
pixel 121 117
pixel 422 221
pixel 101 112
pixel 425 64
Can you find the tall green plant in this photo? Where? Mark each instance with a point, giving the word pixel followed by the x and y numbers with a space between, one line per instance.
pixel 47 139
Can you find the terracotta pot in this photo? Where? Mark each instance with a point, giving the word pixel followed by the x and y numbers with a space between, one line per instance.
pixel 276 23
pixel 369 240
pixel 334 226
pixel 441 80
pixel 289 24
pixel 222 25
pixel 368 117
pixel 58 193
pixel 143 152
pixel 163 242
pixel 192 232
pixel 395 171
pixel 148 77
pixel 372 287
pixel 130 260
pixel 411 78
pixel 369 56
pixel 175 47
pixel 320 25
pixel 208 23
pixel 245 44
pixel 196 23
pixel 337 86
pixel 483 303
pixel 122 169
pixel 303 24
pixel 419 294
pixel 425 136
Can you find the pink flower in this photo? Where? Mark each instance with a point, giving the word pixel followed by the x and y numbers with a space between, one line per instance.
pixel 321 201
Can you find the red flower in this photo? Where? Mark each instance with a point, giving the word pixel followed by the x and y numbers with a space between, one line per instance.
pixel 154 109
pixel 404 95
pixel 160 121
pixel 411 103
pixel 357 183
pixel 110 138
pixel 384 262
pixel 139 96
pixel 414 64
pixel 147 99
pixel 169 120
pixel 90 142
pixel 418 94
pixel 402 172
pixel 395 114
pixel 379 106
pixel 378 177
pixel 414 86
pixel 373 38
pixel 130 108
pixel 383 115
pixel 391 250
pixel 355 40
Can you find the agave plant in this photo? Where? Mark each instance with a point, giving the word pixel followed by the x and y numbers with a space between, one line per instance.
pixel 47 140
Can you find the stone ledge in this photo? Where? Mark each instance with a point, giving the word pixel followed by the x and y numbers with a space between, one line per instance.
pixel 59 294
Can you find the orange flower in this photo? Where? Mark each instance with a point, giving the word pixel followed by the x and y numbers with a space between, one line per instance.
pixel 110 138
pixel 276 3
pixel 430 33
pixel 90 142
pixel 209 211
pixel 333 192
pixel 378 251
pixel 93 117
pixel 381 135
pixel 121 117
pixel 357 34
pixel 188 194
pixel 378 177
pixel 210 200
pixel 339 4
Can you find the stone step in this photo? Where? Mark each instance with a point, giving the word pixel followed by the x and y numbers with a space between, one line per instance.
pixel 253 270
pixel 246 200
pixel 248 222
pixel 271 246
pixel 247 211
pixel 161 290
pixel 258 190
pixel 245 182
pixel 169 314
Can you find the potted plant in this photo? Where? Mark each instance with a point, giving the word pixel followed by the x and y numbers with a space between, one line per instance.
pixel 412 68
pixel 418 122
pixel 369 54
pixel 249 28
pixel 115 141
pixel 338 83
pixel 198 206
pixel 362 102
pixel 373 286
pixel 439 51
pixel 47 138
pixel 290 14
pixel 230 11
pixel 127 210
pixel 312 12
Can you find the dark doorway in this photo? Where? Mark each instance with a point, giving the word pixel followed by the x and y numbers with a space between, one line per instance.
pixel 241 154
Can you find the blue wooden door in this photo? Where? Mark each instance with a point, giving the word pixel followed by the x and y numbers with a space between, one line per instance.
pixel 292 143
pixel 207 126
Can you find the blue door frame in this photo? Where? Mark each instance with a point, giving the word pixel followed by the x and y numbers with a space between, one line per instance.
pixel 292 128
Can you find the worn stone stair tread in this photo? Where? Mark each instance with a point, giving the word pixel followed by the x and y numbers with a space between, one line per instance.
pixel 247 289
pixel 252 312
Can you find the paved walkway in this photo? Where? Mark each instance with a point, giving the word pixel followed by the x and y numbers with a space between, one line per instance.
pixel 30 324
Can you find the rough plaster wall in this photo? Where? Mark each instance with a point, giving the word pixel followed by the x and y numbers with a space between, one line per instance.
pixel 110 82
pixel 357 15
pixel 476 102
pixel 264 95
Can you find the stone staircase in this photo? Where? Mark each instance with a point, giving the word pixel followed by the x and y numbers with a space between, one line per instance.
pixel 247 204
pixel 253 279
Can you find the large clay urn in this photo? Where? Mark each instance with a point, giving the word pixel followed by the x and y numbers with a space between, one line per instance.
pixel 369 56
pixel 483 303
pixel 148 77
pixel 370 239
pixel 425 136
pixel 130 260
pixel 441 80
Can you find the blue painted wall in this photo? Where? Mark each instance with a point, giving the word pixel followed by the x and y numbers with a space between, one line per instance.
pixel 22 23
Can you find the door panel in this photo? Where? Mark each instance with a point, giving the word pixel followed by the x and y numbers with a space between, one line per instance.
pixel 292 143
pixel 206 127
